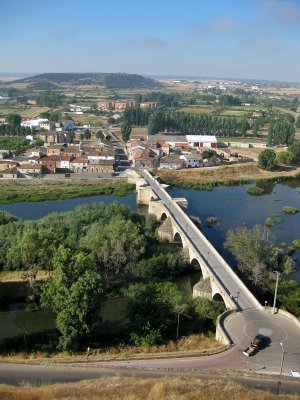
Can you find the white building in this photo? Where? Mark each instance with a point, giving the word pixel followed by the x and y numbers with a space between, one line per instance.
pixel 34 122
pixel 192 160
pixel 207 141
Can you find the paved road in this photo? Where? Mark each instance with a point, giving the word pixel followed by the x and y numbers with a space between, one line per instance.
pixel 227 278
pixel 21 374
pixel 244 326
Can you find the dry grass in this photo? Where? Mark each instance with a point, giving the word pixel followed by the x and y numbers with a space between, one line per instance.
pixel 193 344
pixel 20 276
pixel 224 173
pixel 115 388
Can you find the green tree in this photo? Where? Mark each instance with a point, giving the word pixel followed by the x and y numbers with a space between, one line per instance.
pixel 74 293
pixel 267 159
pixel 285 157
pixel 125 131
pixel 256 255
pixel 295 150
pixel 150 315
pixel 13 119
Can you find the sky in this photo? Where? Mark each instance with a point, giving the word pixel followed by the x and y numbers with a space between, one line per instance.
pixel 257 39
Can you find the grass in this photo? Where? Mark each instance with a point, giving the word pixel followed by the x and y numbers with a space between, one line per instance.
pixel 290 210
pixel 24 111
pixel 223 175
pixel 181 387
pixel 296 244
pixel 255 191
pixel 37 190
pixel 200 344
pixel 269 222
pixel 210 221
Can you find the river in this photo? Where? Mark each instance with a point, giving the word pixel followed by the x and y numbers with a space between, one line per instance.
pixel 231 206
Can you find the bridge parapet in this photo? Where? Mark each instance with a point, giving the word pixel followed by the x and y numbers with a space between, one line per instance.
pixel 224 280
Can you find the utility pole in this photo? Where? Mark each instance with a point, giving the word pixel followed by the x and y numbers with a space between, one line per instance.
pixel 276 288
pixel 282 358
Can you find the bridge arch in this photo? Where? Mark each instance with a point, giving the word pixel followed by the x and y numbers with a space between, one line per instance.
pixel 163 217
pixel 177 238
pixel 196 265
pixel 219 298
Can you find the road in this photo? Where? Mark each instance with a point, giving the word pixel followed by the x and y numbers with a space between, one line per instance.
pixel 22 374
pixel 227 278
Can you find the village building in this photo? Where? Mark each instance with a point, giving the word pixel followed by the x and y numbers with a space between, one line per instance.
pixel 142 159
pixel 207 141
pixel 10 173
pixel 192 160
pixel 171 162
pixel 30 169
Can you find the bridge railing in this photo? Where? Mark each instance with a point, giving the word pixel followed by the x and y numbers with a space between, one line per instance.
pixel 240 285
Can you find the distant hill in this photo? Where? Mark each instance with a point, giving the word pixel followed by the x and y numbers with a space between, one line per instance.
pixel 107 80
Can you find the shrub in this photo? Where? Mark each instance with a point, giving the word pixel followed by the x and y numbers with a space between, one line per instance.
pixel 296 243
pixel 255 191
pixel 290 210
pixel 278 220
pixel 210 221
pixel 269 222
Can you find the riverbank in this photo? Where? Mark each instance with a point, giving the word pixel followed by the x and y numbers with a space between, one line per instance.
pixel 226 175
pixel 15 191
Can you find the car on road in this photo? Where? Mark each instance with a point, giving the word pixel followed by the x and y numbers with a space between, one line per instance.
pixel 254 346
pixel 295 374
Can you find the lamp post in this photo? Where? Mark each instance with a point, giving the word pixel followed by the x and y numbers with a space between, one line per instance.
pixel 282 359
pixel 276 288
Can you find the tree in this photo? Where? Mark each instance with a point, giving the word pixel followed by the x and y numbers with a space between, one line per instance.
pixel 295 150
pixel 125 131
pixel 87 134
pixel 267 159
pixel 256 255
pixel 74 293
pixel 285 157
pixel 150 314
pixel 13 119
pixel 297 124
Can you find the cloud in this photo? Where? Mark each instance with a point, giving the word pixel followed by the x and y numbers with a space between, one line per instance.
pixel 223 24
pixel 286 12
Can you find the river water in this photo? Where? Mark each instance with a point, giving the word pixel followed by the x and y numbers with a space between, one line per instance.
pixel 232 207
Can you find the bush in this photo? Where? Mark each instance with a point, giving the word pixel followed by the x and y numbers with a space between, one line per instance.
pixel 296 243
pixel 267 160
pixel 269 222
pixel 255 191
pixel 290 210
pixel 210 221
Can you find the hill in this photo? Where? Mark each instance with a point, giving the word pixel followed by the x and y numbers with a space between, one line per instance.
pixel 107 80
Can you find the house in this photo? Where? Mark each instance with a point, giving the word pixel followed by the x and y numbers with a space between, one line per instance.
pixel 71 150
pixel 207 141
pixel 30 169
pixel 142 159
pixel 51 163
pixel 103 166
pixel 10 173
pixel 7 164
pixel 148 104
pixel 55 150
pixel 47 125
pixel 192 160
pixel 171 162
pixel 134 145
pixel 79 165
pixel 65 161
pixel 35 152
pixel 172 140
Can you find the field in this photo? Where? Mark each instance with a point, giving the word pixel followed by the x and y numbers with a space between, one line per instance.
pixel 39 190
pixel 180 387
pixel 235 172
pixel 29 111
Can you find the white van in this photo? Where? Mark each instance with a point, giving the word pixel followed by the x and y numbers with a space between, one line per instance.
pixel 295 374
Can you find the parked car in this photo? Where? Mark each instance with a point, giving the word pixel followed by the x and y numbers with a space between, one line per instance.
pixel 295 374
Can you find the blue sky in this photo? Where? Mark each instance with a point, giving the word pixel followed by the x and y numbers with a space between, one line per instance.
pixel 257 39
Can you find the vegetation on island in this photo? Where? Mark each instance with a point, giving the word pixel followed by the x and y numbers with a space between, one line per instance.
pixel 257 257
pixel 290 210
pixel 96 252
pixel 255 190
pixel 16 192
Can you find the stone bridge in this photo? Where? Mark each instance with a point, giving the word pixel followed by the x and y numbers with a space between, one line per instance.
pixel 219 281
